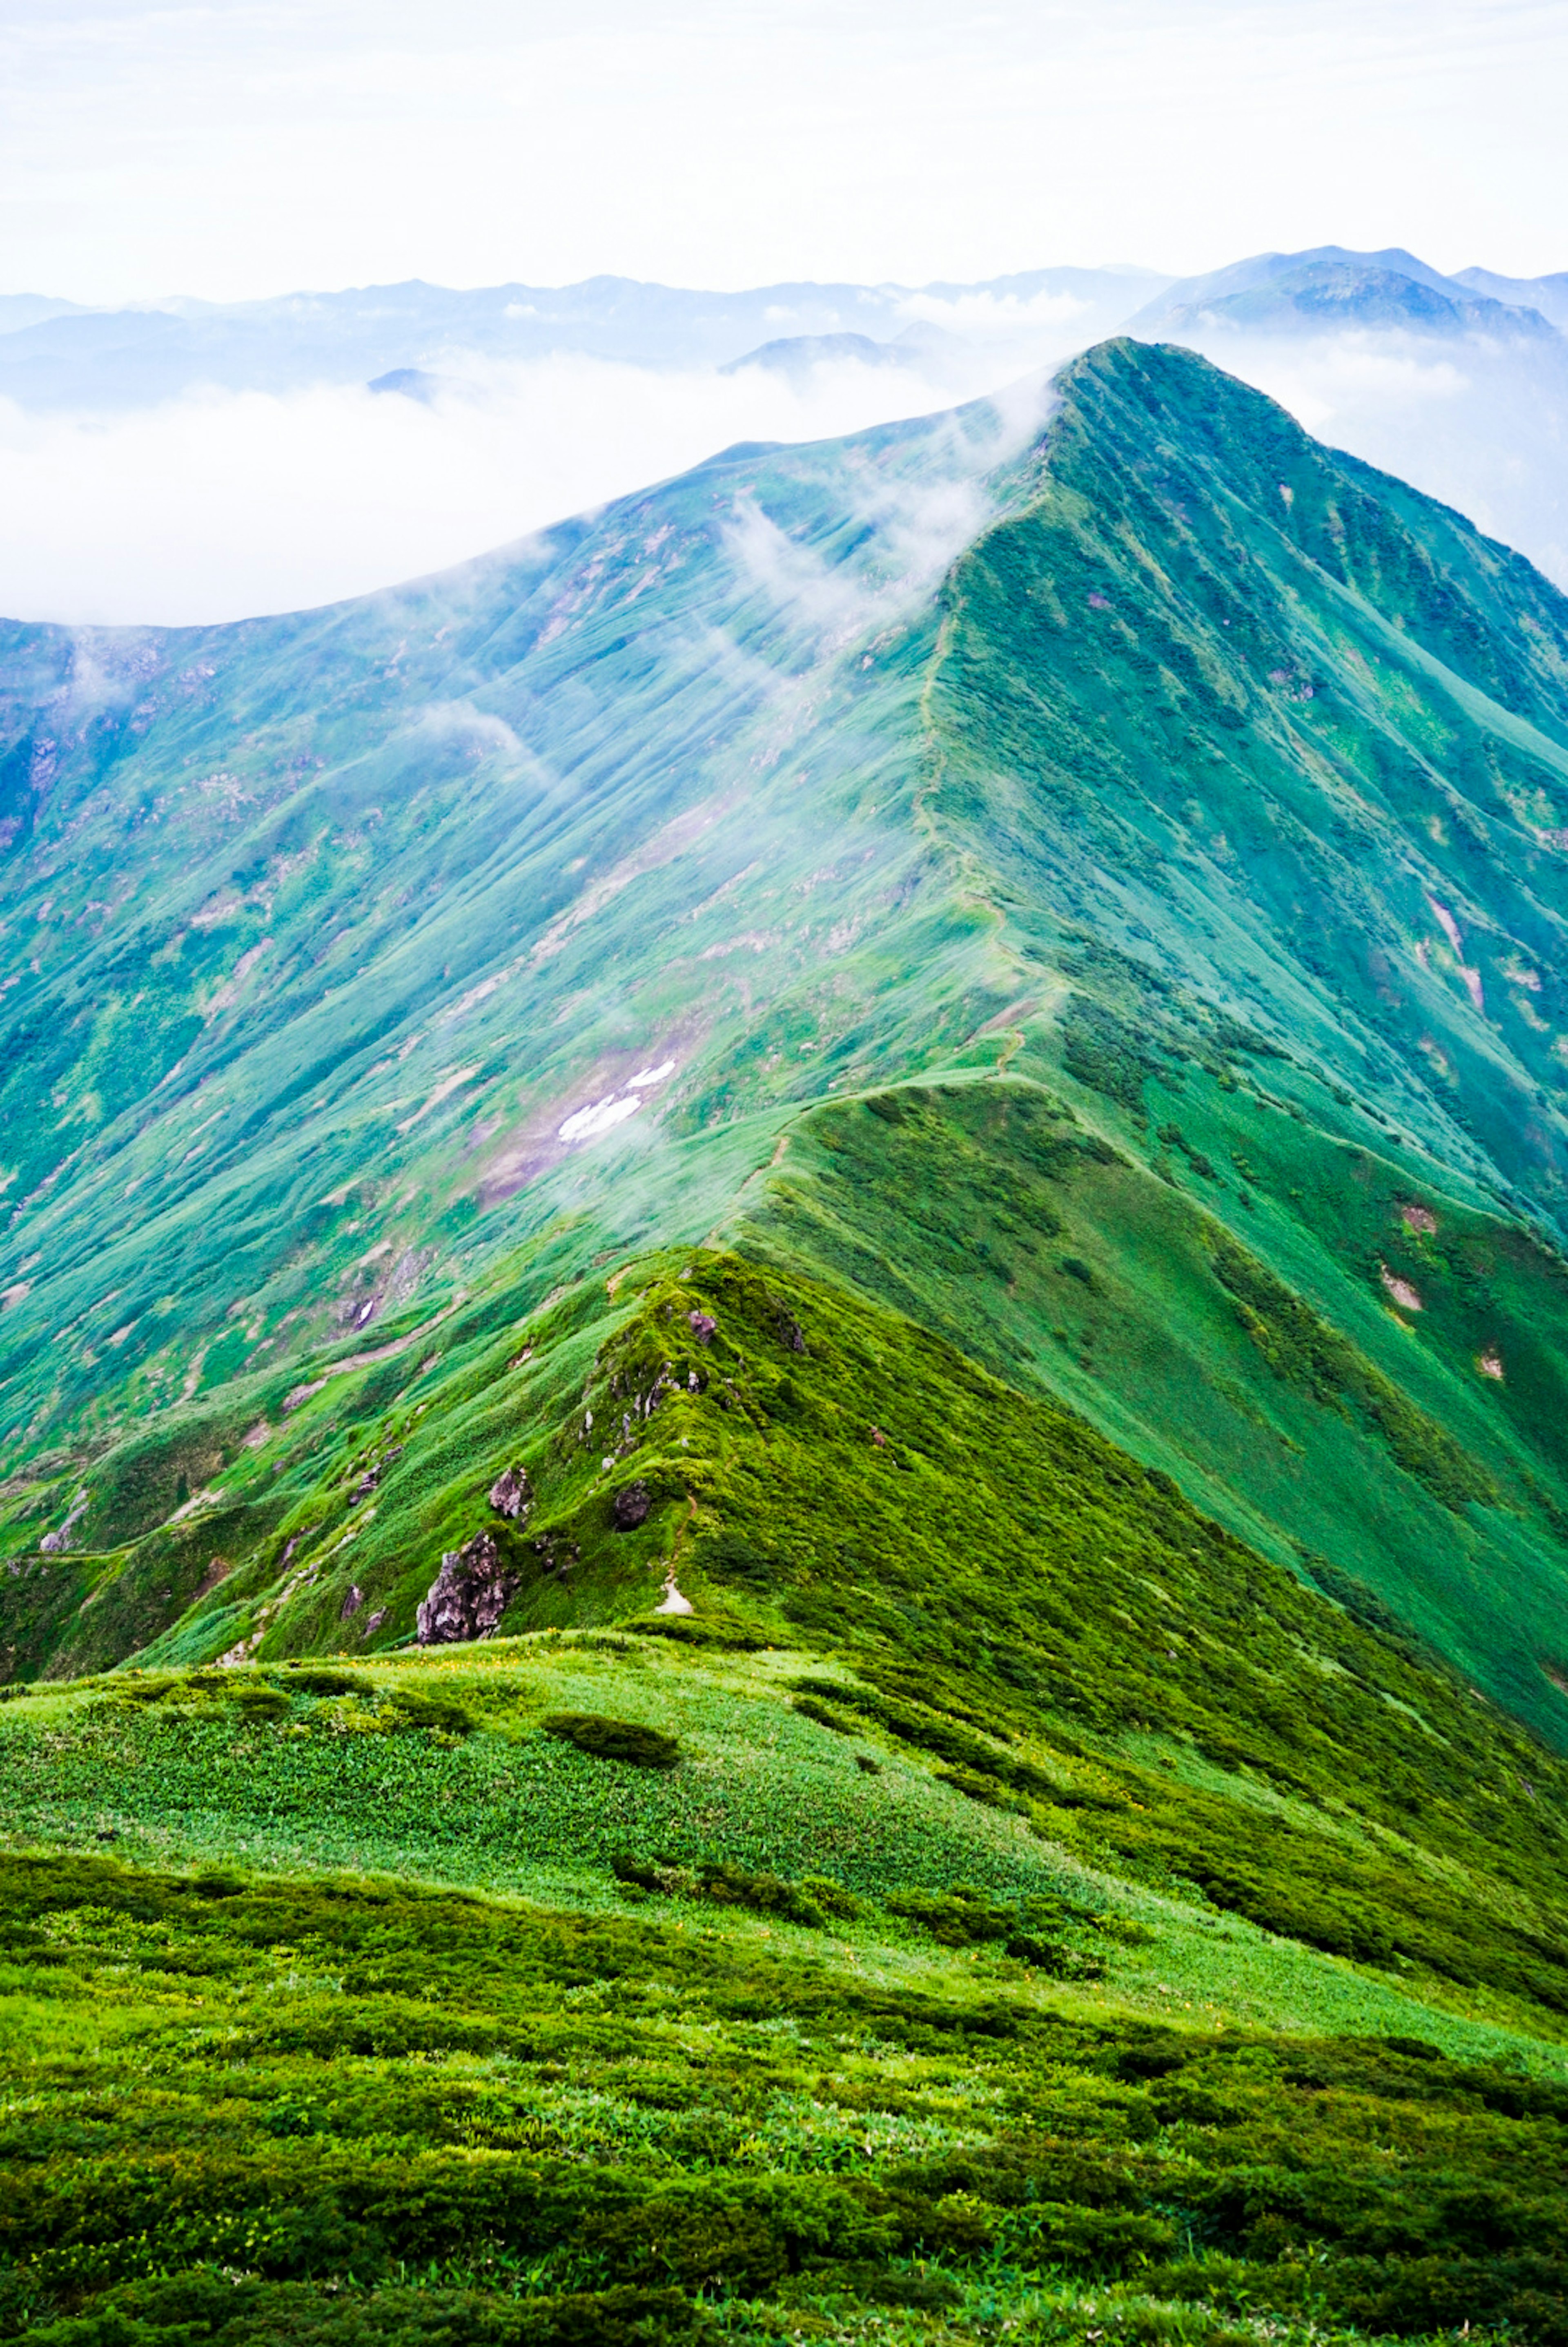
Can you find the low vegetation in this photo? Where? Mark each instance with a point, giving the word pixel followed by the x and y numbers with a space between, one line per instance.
pixel 1005 1906
pixel 337 2110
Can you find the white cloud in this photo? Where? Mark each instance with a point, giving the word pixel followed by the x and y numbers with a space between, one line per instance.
pixel 998 315
pixel 1322 382
pixel 914 528
pixel 224 505
pixel 459 721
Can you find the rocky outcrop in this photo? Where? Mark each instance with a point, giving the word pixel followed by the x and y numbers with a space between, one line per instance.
pixel 629 1508
pixel 511 1494
pixel 468 1596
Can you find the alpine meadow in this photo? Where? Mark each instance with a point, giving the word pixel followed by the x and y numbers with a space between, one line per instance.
pixel 783 1358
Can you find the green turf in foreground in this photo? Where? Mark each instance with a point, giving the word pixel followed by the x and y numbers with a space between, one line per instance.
pixel 367 2027
pixel 334 2110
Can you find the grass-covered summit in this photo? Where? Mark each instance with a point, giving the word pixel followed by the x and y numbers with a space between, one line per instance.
pixel 783 1536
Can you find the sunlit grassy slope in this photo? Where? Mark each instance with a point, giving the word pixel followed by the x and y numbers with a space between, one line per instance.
pixel 1039 1909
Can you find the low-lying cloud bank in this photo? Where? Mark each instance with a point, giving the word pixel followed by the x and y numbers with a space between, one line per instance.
pixel 219 505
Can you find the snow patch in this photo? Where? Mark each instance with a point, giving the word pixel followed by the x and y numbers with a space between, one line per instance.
pixel 585 1123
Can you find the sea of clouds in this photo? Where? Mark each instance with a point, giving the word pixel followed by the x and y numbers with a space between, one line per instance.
pixel 219 505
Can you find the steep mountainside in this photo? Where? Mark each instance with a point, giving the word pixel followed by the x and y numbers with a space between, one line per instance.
pixel 1459 384
pixel 782 1356
pixel 1217 789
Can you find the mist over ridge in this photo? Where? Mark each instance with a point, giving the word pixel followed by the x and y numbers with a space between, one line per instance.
pixel 542 898
pixel 212 461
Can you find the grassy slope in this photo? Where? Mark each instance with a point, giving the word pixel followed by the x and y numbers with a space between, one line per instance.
pixel 1294 708
pixel 1057 1256
pixel 342 2111
pixel 1094 843
pixel 778 2034
pixel 316 929
pixel 990 1554
pixel 1060 1917
pixel 984 1957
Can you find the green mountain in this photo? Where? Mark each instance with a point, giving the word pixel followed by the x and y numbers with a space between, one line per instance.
pixel 783 1344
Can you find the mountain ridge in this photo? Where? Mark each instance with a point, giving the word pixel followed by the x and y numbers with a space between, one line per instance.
pixel 782 1350
pixel 1003 952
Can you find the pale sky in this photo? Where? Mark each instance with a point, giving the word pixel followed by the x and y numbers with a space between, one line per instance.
pixel 242 147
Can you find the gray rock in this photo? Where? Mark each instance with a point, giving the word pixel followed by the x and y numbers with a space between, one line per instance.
pixel 468 1596
pixel 630 1507
pixel 511 1494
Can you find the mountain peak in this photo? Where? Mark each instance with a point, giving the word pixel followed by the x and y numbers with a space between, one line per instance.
pixel 1330 288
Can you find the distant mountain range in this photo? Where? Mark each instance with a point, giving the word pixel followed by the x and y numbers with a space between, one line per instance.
pixel 1333 289
pixel 1460 383
pixel 55 356
pixel 59 354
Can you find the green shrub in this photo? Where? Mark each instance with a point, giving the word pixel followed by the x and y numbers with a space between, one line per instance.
pixel 764 1894
pixel 260 1702
pixel 613 1739
pixel 831 1896
pixel 957 1918
pixel 809 1708
pixel 319 1681
pixel 416 1710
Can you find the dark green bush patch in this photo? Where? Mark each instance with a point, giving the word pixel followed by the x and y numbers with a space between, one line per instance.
pixel 261 1703
pixel 613 1739
pixel 809 1901
pixel 811 1707
pixel 831 1896
pixel 313 1680
pixel 977 1788
pixel 414 1709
